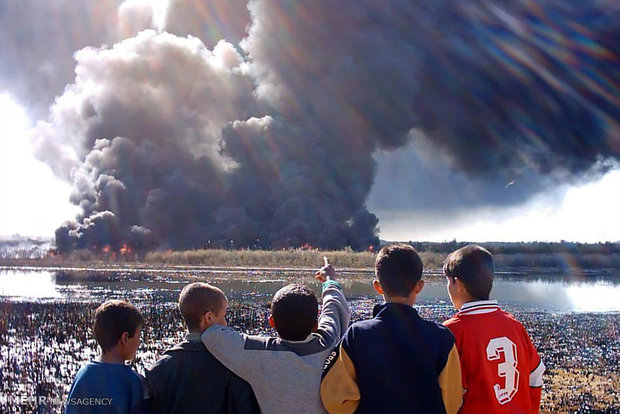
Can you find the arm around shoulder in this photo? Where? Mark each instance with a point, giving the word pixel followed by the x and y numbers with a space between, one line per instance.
pixel 228 346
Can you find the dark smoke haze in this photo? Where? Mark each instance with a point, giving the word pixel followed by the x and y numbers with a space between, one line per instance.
pixel 234 124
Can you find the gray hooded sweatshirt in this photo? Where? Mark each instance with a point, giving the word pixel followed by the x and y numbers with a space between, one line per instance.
pixel 285 375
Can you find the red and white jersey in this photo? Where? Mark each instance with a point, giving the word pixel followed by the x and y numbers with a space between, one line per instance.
pixel 502 372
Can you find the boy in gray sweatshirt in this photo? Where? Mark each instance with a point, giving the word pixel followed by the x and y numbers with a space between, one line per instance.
pixel 285 371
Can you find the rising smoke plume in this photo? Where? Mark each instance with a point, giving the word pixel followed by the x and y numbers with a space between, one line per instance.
pixel 267 137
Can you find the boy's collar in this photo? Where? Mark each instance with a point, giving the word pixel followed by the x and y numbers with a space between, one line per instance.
pixel 377 309
pixel 102 363
pixel 308 339
pixel 478 307
pixel 193 337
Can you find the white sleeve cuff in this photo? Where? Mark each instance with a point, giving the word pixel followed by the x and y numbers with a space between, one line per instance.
pixel 536 376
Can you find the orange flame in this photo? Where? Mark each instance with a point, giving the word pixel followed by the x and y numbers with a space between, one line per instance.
pixel 124 249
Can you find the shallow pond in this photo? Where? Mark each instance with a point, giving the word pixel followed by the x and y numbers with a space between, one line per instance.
pixel 526 290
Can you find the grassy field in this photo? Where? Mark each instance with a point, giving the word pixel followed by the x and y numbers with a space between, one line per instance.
pixel 298 258
pixel 220 258
pixel 278 258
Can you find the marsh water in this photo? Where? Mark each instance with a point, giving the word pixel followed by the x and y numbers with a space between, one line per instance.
pixel 597 291
pixel 46 314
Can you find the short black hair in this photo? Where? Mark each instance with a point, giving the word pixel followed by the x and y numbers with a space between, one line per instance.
pixel 295 309
pixel 198 298
pixel 112 319
pixel 472 265
pixel 398 268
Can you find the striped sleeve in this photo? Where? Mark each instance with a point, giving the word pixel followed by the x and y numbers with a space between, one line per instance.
pixel 536 379
pixel 537 369
pixel 536 383
pixel 339 390
pixel 450 382
pixel 536 376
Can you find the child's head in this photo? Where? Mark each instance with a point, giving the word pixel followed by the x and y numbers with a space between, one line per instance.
pixel 117 327
pixel 202 305
pixel 294 312
pixel 469 271
pixel 398 269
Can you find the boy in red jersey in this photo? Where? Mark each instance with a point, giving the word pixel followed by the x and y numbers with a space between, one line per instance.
pixel 502 372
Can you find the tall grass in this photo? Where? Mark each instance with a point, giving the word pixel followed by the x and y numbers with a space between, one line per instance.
pixel 261 258
pixel 275 258
pixel 304 259
pixel 221 258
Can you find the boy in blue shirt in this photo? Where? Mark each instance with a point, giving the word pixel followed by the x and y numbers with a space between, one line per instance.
pixel 107 384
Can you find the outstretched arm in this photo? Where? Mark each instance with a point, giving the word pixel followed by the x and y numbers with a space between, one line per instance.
pixel 335 312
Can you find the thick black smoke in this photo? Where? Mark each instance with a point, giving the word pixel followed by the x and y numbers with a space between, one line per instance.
pixel 184 142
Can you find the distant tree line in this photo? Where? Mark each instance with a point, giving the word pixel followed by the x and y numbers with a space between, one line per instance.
pixel 569 256
pixel 24 247
pixel 535 247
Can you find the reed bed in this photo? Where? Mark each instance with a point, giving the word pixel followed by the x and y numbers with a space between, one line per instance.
pixel 220 258
pixel 300 258
pixel 276 258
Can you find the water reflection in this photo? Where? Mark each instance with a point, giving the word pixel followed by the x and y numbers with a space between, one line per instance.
pixel 598 297
pixel 526 292
pixel 28 284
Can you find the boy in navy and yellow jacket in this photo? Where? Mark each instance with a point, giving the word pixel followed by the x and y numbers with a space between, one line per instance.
pixel 397 361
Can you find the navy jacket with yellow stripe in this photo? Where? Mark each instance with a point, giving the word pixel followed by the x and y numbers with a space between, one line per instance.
pixel 396 362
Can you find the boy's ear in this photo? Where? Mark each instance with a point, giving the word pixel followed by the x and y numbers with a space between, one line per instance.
pixel 208 317
pixel 460 287
pixel 123 339
pixel 419 286
pixel 377 285
pixel 272 323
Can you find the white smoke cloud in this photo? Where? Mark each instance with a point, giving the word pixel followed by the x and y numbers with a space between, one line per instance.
pixel 135 16
pixel 156 88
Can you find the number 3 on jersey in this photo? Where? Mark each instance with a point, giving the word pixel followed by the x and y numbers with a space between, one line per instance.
pixel 506 369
